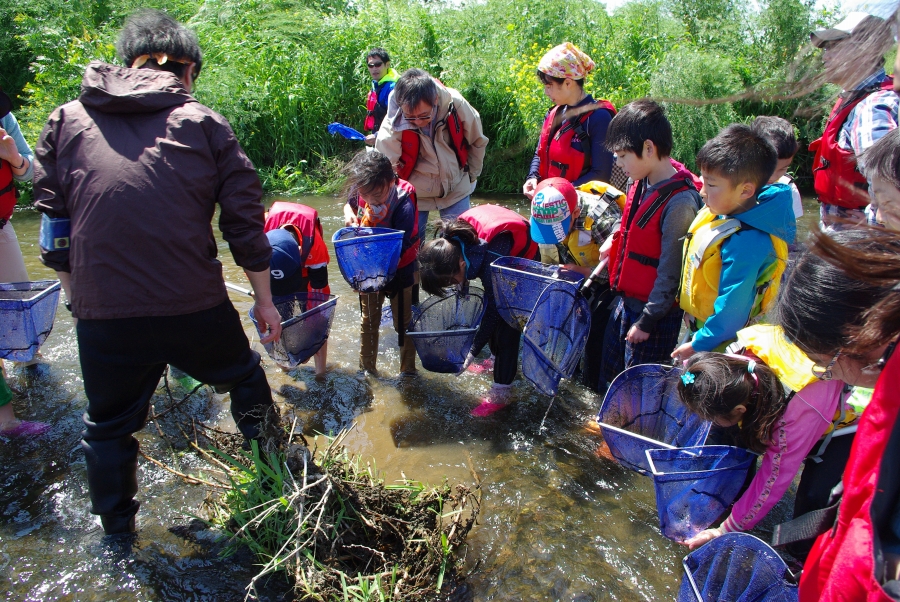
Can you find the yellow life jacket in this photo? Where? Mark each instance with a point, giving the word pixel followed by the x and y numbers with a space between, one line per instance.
pixel 702 267
pixel 792 367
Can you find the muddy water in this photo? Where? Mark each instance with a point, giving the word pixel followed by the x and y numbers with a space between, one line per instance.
pixel 558 522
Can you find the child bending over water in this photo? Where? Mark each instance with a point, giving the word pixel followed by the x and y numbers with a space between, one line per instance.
pixel 744 392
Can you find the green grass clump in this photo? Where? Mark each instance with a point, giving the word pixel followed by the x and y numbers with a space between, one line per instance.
pixel 333 527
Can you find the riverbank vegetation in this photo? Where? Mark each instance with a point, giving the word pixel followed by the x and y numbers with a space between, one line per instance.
pixel 280 70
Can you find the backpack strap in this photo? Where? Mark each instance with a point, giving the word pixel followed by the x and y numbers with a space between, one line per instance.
pixel 664 194
pixel 812 524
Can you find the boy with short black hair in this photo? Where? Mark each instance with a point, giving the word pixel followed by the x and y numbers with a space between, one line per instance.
pixel 645 253
pixel 780 134
pixel 736 249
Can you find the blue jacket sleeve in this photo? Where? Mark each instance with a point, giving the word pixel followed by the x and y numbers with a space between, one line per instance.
pixel 385 92
pixel 601 159
pixel 744 255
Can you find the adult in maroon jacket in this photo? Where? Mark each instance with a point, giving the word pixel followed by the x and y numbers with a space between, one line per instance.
pixel 128 177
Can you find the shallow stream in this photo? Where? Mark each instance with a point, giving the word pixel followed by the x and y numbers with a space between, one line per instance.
pixel 558 521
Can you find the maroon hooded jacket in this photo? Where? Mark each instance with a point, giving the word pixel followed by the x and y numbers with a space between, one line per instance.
pixel 139 166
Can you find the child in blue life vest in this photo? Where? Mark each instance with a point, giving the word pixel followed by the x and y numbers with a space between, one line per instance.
pixel 569 227
pixel 378 198
pixel 645 252
pixel 571 144
pixel 780 134
pixel 462 250
pixel 737 248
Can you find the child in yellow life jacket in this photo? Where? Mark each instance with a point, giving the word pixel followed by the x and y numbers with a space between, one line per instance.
pixel 736 249
pixel 781 406
pixel 569 226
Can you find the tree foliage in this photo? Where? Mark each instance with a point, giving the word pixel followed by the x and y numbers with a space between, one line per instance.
pixel 280 70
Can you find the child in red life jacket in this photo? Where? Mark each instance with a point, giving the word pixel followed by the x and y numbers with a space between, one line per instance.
pixel 377 197
pixel 571 144
pixel 645 253
pixel 463 250
pixel 736 249
pixel 300 258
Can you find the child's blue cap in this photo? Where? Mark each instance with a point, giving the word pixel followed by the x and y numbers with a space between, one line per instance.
pixel 285 267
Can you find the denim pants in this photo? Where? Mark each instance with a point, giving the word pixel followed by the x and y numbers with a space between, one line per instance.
pixel 122 361
pixel 451 212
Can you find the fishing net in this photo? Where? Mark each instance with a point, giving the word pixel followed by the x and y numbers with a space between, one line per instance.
pixel 519 282
pixel 367 257
pixel 736 567
pixel 696 485
pixel 443 328
pixel 642 411
pixel 27 311
pixel 555 336
pixel 344 130
pixel 306 322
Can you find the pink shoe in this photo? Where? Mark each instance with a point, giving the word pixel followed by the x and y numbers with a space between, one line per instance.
pixel 24 428
pixel 479 367
pixel 487 408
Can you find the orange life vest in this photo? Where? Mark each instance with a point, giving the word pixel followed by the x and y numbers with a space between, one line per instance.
pixel 8 192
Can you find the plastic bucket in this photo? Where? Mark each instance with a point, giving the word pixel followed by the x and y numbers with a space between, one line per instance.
pixel 443 328
pixel 306 322
pixel 519 282
pixel 367 257
pixel 736 567
pixel 642 411
pixel 27 311
pixel 555 336
pixel 695 485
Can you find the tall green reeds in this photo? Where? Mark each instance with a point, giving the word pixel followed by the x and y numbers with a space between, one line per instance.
pixel 280 70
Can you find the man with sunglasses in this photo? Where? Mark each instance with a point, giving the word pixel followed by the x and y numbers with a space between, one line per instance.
pixel 378 61
pixel 867 109
pixel 129 177
pixel 434 138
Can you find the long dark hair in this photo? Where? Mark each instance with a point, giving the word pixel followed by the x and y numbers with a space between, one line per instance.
pixel 722 382
pixel 839 294
pixel 439 258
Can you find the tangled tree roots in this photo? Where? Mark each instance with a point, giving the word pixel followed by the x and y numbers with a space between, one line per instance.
pixel 338 531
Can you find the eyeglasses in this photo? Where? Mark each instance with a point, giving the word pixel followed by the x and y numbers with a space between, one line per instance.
pixel 826 374
pixel 374 65
pixel 426 117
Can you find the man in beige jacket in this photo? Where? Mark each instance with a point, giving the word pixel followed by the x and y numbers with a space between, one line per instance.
pixel 442 170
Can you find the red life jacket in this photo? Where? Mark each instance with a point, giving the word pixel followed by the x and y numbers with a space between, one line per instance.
pixel 841 565
pixel 492 220
pixel 835 175
pixel 637 246
pixel 375 112
pixel 8 192
pixel 304 219
pixel 410 145
pixel 558 157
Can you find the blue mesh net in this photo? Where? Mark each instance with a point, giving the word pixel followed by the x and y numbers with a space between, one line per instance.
pixel 367 257
pixel 27 311
pixel 519 282
pixel 642 411
pixel 306 322
pixel 443 328
pixel 555 336
pixel 736 567
pixel 695 485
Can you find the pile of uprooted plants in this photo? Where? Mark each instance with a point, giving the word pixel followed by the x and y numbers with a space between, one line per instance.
pixel 328 522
